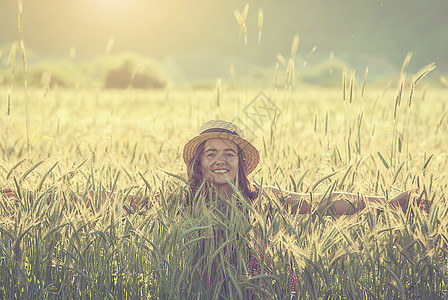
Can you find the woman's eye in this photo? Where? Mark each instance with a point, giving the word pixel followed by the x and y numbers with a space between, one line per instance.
pixel 210 155
pixel 229 155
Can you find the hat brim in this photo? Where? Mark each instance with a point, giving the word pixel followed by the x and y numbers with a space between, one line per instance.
pixel 251 156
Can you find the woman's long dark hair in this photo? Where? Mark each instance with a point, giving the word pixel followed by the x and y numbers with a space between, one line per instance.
pixel 196 179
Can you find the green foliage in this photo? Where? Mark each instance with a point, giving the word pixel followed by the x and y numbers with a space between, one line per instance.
pixel 123 70
pixel 61 74
pixel 128 75
pixel 324 74
pixel 57 246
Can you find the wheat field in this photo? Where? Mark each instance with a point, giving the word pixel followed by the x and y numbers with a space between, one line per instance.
pixel 62 143
pixel 62 149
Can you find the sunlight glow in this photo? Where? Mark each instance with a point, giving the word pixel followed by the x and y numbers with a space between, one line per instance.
pixel 113 7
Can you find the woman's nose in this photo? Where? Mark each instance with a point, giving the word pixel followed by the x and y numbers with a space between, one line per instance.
pixel 221 159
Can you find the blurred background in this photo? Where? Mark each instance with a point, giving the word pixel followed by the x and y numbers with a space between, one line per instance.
pixel 155 43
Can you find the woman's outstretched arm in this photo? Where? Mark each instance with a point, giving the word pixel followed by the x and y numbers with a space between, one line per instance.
pixel 339 203
pixel 134 201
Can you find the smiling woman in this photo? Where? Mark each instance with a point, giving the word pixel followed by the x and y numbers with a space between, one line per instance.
pixel 221 158
pixel 218 161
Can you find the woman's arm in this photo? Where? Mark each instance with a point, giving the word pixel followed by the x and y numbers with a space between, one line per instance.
pixel 134 201
pixel 10 194
pixel 7 193
pixel 338 203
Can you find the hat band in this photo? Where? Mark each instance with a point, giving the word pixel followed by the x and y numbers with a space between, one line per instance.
pixel 219 130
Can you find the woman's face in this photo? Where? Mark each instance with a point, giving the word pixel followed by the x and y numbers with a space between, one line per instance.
pixel 219 161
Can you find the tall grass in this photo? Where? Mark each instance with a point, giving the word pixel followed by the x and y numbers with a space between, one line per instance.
pixel 68 240
pixel 56 245
pixel 25 72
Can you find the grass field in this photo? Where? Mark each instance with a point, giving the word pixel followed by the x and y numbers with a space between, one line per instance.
pixel 377 142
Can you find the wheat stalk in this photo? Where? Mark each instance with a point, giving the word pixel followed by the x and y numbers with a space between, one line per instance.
pixel 352 85
pixel 423 72
pixel 25 72
pixel 444 80
pixel 45 80
pixel 12 66
pixel 294 46
pixel 241 19
pixel 282 60
pixel 290 72
pixel 309 55
pixel 331 62
pixel 12 57
pixel 420 74
pixel 276 75
pixel 22 43
pixel 364 82
pixel 232 76
pixel 8 113
pixel 9 104
pixel 218 91
pixel 395 138
pixel 109 45
pixel 405 64
pixel 260 24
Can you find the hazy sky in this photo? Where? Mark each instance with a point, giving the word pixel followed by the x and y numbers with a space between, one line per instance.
pixel 202 36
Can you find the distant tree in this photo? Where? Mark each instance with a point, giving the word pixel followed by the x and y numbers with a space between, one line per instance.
pixel 130 75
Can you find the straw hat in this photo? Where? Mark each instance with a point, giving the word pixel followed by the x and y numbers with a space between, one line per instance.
pixel 224 130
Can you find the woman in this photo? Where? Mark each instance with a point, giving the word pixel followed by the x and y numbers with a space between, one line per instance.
pixel 220 155
pixel 218 161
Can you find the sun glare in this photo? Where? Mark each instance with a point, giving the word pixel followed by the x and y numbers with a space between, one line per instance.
pixel 113 6
pixel 110 2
